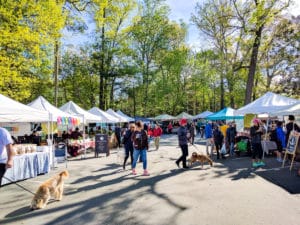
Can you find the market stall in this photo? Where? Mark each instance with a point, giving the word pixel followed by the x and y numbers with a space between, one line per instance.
pixel 28 162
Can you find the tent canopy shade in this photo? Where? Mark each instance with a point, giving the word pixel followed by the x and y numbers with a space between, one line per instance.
pixel 203 115
pixel 42 104
pixel 73 109
pixel 113 113
pixel 107 118
pixel 13 111
pixel 184 115
pixel 268 103
pixel 164 117
pixel 130 119
pixel 288 110
pixel 224 114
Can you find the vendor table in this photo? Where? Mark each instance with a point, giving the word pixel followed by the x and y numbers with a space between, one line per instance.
pixel 27 166
pixel 268 145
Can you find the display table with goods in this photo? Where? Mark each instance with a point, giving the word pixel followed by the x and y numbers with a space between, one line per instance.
pixel 28 163
pixel 77 147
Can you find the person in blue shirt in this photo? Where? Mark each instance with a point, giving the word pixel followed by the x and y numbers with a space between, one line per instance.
pixel 209 138
pixel 280 140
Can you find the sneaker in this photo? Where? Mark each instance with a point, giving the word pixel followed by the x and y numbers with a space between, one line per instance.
pixel 279 160
pixel 146 173
pixel 255 164
pixel 133 172
pixel 261 163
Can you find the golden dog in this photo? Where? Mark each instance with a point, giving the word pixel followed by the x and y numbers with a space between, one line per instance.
pixel 52 187
pixel 201 158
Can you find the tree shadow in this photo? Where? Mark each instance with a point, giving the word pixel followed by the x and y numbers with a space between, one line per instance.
pixel 126 196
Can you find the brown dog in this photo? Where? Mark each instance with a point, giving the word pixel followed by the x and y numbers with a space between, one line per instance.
pixel 201 158
pixel 52 187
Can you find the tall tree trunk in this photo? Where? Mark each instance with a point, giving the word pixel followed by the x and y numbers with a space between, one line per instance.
pixel 101 74
pixel 56 71
pixel 252 67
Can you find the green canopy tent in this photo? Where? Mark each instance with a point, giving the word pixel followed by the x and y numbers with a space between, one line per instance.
pixel 164 117
pixel 184 115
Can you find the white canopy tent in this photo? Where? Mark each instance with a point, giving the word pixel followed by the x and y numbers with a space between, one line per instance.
pixel 13 111
pixel 73 109
pixel 42 104
pixel 107 118
pixel 113 113
pixel 288 110
pixel 268 103
pixel 130 119
pixel 87 117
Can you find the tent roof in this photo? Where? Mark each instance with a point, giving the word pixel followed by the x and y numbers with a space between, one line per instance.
pixel 124 115
pixel 143 119
pixel 203 115
pixel 288 110
pixel 42 104
pixel 113 113
pixel 164 117
pixel 184 115
pixel 224 114
pixel 13 111
pixel 107 118
pixel 73 109
pixel 267 103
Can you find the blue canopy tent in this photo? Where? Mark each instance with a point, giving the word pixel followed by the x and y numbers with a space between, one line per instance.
pixel 203 115
pixel 224 114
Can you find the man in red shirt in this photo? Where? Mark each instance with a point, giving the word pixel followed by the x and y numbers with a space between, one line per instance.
pixel 157 132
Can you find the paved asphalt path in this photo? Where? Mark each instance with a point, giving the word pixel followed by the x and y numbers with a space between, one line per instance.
pixel 100 192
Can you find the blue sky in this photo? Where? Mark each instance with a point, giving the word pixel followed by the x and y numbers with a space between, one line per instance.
pixel 180 9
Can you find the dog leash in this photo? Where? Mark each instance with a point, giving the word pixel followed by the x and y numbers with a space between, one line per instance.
pixel 14 182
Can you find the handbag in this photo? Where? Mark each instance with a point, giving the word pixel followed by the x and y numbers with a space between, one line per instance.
pixel 223 149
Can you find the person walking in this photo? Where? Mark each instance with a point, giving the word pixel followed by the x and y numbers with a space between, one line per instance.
pixel 280 141
pixel 183 143
pixel 218 140
pixel 256 131
pixel 118 135
pixel 128 145
pixel 209 138
pixel 230 137
pixel 157 132
pixel 291 127
pixel 192 133
pixel 6 157
pixel 140 146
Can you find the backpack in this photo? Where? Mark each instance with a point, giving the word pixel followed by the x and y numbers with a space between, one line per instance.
pixel 140 140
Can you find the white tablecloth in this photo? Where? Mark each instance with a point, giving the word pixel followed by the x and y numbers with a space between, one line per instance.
pixel 268 145
pixel 27 166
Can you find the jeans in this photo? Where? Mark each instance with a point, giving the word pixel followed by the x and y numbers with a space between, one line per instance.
pixel 209 141
pixel 143 155
pixel 231 148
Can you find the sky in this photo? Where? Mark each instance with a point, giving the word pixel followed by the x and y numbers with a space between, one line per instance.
pixel 181 9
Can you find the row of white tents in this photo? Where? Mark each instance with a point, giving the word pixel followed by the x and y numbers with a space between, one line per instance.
pixel 40 110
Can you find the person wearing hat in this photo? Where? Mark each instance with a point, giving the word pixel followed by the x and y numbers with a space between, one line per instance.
pixel 291 126
pixel 183 143
pixel 256 131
